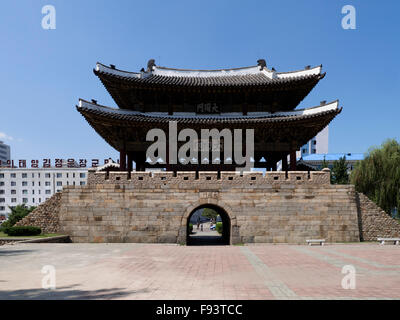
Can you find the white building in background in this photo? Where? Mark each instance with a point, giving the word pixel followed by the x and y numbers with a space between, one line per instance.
pixel 5 152
pixel 32 186
pixel 317 145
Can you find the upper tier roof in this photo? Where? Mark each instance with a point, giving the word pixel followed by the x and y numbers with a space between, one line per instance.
pixel 246 76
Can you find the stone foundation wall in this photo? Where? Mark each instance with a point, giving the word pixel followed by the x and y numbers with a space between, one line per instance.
pixel 374 222
pixel 45 216
pixel 154 207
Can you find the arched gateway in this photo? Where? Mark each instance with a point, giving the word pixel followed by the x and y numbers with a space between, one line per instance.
pixel 226 219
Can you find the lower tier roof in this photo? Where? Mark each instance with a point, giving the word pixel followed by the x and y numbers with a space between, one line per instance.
pixel 126 129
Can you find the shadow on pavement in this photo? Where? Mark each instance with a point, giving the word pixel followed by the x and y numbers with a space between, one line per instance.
pixel 66 293
pixel 13 252
pixel 206 241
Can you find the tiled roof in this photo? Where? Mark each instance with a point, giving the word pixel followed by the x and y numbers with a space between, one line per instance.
pixel 248 76
pixel 86 107
pixel 333 157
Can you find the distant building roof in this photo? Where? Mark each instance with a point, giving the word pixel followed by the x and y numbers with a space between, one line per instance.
pixel 333 157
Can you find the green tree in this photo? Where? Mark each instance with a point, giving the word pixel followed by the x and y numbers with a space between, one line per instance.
pixel 210 213
pixel 324 164
pixel 17 214
pixel 339 173
pixel 378 175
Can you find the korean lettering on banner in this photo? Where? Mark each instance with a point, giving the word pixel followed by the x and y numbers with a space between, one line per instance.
pixel 46 163
pixel 10 164
pixel 34 163
pixel 22 164
pixel 82 163
pixel 95 163
pixel 71 163
pixel 59 163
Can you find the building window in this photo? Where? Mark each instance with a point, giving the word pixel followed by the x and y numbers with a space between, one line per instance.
pixel 24 183
pixel 59 175
pixel 38 175
pixel 24 175
pixel 33 175
pixel 47 175
pixel 1 191
pixel 2 208
pixel 13 200
pixel 33 183
pixel 1 183
pixel 39 191
pixel 13 191
pixel 2 199
pixel 82 175
pixel 24 200
pixel 59 183
pixel 33 191
pixel 314 142
pixel 313 151
pixel 1 175
pixel 33 200
pixel 48 191
pixel 82 183
pixel 67 175
pixel 58 190
pixel 73 175
pixel 47 183
pixel 40 200
pixel 24 191
pixel 39 183
pixel 13 175
pixel 13 184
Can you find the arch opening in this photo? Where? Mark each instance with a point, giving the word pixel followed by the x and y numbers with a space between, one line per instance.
pixel 207 225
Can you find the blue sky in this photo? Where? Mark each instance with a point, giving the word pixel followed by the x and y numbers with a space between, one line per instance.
pixel 45 72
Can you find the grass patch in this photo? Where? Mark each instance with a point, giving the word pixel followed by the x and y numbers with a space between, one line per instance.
pixel 46 235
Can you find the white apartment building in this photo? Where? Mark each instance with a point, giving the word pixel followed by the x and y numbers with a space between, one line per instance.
pixel 317 145
pixel 32 186
pixel 5 153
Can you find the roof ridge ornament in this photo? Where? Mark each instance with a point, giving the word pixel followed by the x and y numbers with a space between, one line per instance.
pixel 262 63
pixel 150 65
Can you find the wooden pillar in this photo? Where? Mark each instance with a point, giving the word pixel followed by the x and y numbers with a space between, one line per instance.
pixel 245 106
pixel 170 107
pixel 130 160
pixel 292 160
pixel 122 160
pixel 284 163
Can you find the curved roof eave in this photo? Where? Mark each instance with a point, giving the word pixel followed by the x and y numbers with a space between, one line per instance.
pixel 189 73
pixel 123 114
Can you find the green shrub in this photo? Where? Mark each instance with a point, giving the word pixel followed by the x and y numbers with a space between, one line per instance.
pixel 23 231
pixel 190 228
pixel 17 213
pixel 218 227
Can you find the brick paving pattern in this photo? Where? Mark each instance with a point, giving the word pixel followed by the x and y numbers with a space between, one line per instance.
pixel 160 271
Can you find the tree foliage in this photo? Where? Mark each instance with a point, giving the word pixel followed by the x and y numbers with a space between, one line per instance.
pixel 210 213
pixel 17 213
pixel 339 173
pixel 378 175
pixel 324 164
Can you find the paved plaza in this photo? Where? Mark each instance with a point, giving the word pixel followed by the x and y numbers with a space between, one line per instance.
pixel 159 271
